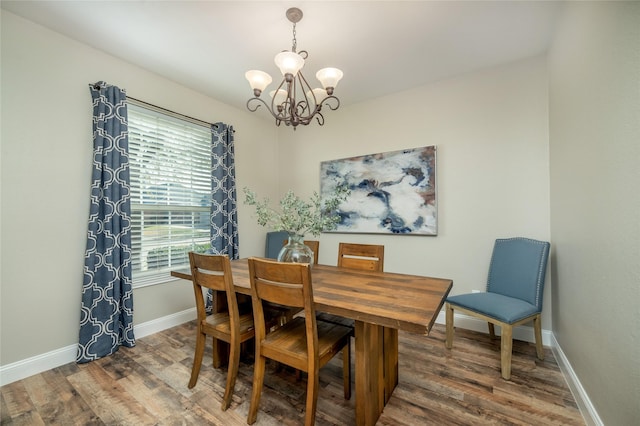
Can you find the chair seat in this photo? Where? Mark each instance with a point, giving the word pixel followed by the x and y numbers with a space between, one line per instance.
pixel 220 322
pixel 288 344
pixel 502 308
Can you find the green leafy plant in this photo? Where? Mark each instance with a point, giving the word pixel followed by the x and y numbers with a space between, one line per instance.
pixel 297 216
pixel 159 257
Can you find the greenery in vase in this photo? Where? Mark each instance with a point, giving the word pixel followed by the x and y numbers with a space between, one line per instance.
pixel 297 216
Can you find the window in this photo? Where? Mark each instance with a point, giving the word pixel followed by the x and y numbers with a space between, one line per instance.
pixel 170 166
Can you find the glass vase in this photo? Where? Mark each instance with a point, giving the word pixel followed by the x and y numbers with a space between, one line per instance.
pixel 296 251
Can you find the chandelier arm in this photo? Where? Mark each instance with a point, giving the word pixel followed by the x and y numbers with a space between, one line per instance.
pixel 319 117
pixel 261 102
pixel 281 108
pixel 301 111
pixel 304 103
pixel 331 98
pixel 293 106
pixel 258 102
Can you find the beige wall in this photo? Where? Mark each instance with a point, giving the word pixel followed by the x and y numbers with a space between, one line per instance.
pixel 491 133
pixel 595 201
pixel 490 128
pixel 46 164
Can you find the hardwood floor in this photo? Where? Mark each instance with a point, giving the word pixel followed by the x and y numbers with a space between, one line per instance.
pixel 147 385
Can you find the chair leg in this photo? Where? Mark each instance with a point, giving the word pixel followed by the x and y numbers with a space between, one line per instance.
pixel 506 343
pixel 537 327
pixel 492 330
pixel 449 321
pixel 346 369
pixel 258 381
pixel 313 383
pixel 197 359
pixel 232 374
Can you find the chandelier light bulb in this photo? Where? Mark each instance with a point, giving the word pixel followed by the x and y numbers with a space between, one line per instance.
pixel 329 78
pixel 289 63
pixel 258 80
pixel 280 97
pixel 319 94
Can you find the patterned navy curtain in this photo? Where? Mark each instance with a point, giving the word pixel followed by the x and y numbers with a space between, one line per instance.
pixel 224 212
pixel 106 315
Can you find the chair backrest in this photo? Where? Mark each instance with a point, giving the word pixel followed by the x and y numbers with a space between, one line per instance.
pixel 286 284
pixel 368 257
pixel 315 247
pixel 312 244
pixel 213 272
pixel 273 243
pixel 518 267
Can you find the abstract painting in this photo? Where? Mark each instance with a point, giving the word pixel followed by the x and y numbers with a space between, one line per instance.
pixel 391 192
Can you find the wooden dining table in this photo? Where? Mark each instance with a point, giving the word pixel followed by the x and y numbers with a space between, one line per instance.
pixel 380 303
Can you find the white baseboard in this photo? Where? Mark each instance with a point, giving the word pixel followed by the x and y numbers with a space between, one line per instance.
pixel 157 325
pixel 37 364
pixel 526 334
pixel 585 406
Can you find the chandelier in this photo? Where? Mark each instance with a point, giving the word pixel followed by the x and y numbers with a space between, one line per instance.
pixel 294 102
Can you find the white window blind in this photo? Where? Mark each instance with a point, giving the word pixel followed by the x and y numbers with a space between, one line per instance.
pixel 170 166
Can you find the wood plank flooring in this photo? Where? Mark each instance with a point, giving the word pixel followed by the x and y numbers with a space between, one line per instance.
pixel 147 385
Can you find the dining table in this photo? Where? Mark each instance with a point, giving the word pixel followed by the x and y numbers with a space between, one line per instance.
pixel 381 304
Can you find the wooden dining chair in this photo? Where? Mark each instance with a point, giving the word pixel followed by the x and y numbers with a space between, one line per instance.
pixel 315 247
pixel 368 257
pixel 230 325
pixel 303 343
pixel 513 296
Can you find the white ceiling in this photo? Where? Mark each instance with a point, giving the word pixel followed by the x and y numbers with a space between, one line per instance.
pixel 382 46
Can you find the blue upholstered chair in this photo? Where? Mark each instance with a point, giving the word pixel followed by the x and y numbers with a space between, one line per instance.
pixel 273 244
pixel 513 296
pixel 277 239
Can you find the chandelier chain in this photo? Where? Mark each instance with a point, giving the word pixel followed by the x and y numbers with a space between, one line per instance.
pixel 294 45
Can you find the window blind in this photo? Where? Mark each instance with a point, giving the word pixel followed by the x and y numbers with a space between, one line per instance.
pixel 170 167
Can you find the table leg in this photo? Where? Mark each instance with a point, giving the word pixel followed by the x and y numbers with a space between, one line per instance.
pixel 370 383
pixel 390 336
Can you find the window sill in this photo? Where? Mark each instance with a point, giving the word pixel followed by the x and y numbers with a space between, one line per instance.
pixel 149 282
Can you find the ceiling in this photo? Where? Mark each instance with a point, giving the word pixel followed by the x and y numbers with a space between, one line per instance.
pixel 382 46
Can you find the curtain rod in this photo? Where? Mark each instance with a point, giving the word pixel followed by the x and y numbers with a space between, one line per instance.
pixel 172 113
pixel 102 84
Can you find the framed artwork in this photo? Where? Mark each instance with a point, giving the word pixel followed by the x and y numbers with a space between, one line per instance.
pixel 391 192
